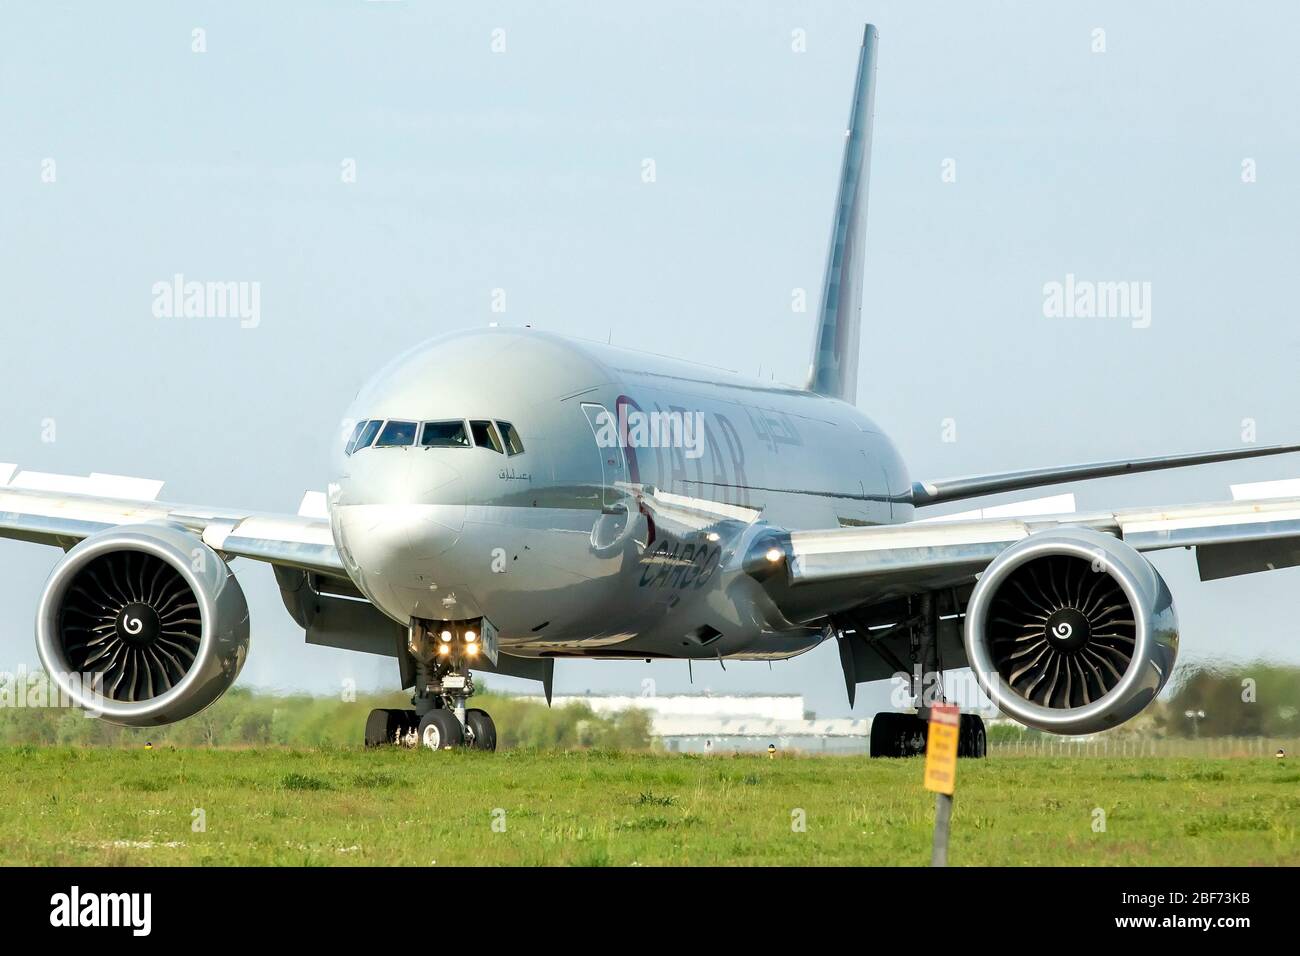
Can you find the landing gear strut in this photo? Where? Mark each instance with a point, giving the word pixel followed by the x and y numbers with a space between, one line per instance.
pixel 904 735
pixel 442 653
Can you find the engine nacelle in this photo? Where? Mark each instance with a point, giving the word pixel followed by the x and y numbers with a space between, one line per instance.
pixel 1071 632
pixel 142 625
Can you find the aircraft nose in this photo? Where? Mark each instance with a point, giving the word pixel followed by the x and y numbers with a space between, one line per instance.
pixel 396 521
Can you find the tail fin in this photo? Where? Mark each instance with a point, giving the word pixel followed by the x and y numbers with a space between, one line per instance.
pixel 834 370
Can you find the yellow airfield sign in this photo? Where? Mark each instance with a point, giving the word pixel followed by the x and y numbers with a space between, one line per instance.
pixel 941 749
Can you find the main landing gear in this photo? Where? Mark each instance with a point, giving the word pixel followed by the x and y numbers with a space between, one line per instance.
pixel 904 735
pixel 442 653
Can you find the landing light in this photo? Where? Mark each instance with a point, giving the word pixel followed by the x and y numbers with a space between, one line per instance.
pixel 470 637
pixel 775 554
pixel 444 649
pixel 471 649
pixel 446 637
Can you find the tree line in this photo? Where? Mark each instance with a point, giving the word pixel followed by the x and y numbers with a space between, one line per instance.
pixel 251 718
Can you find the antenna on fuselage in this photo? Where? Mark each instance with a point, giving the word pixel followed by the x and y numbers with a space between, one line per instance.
pixel 834 368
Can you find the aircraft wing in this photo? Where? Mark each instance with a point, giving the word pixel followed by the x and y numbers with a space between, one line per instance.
pixel 973 486
pixel 833 570
pixel 62 510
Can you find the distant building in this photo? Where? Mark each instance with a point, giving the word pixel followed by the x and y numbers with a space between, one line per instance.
pixel 691 723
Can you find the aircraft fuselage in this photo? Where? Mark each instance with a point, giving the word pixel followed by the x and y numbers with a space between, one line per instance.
pixel 554 544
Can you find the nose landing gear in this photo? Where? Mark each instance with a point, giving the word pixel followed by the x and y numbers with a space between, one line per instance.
pixel 440 721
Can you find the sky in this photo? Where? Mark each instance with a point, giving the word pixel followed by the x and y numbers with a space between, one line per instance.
pixel 379 169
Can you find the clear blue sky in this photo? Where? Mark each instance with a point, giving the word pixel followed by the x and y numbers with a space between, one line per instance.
pixel 521 170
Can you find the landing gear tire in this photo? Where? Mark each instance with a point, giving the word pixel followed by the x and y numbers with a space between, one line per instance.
pixel 440 730
pixel 898 735
pixel 883 743
pixel 385 726
pixel 972 741
pixel 482 731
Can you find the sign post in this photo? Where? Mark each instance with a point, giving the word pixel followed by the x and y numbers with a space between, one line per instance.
pixel 941 773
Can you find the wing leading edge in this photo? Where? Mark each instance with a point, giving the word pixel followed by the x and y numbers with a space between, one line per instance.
pixel 41 509
pixel 837 569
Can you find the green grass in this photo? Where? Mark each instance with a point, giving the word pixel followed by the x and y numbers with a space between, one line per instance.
pixel 327 807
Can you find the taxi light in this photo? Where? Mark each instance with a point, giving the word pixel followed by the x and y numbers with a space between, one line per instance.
pixel 444 649
pixel 471 649
pixel 446 637
pixel 470 637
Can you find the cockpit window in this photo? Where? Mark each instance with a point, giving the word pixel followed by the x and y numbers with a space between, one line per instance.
pixel 397 434
pixel 356 433
pixel 368 434
pixel 485 436
pixel 444 435
pixel 514 444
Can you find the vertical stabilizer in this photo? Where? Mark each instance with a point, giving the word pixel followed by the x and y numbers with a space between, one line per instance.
pixel 834 370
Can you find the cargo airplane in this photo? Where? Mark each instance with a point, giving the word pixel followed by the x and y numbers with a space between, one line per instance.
pixel 506 498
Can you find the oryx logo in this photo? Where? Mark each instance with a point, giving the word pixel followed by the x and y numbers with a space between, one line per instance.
pixel 74 908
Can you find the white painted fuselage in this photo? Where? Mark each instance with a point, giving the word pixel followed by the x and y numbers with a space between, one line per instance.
pixel 582 545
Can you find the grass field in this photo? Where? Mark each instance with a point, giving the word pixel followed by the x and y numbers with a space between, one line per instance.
pixel 328 807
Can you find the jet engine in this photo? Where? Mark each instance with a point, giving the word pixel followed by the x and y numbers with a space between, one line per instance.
pixel 142 625
pixel 1071 632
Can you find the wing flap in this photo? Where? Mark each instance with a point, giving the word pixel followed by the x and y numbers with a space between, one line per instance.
pixel 1214 562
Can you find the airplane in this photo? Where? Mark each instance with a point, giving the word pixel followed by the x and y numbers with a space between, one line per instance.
pixel 504 498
